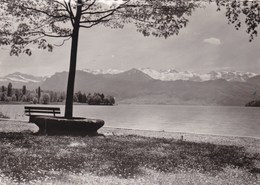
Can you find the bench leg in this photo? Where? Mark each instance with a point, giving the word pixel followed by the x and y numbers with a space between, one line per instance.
pixel 31 119
pixel 45 127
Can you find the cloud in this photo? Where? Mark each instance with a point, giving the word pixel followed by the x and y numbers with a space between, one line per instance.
pixel 213 41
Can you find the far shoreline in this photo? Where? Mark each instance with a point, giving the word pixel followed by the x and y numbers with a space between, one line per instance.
pixel 123 103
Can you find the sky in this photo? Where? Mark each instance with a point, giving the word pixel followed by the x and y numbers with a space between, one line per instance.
pixel 207 43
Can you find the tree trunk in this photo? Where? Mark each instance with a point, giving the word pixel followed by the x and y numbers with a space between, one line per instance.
pixel 73 61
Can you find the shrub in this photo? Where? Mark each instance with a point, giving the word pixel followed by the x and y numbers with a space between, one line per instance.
pixel 35 100
pixel 8 99
pixel 14 98
pixel 45 99
pixel 30 97
pixel 24 98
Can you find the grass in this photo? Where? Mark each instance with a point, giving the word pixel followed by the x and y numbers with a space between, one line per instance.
pixel 125 159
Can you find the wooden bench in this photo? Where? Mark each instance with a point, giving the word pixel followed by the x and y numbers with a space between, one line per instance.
pixel 33 111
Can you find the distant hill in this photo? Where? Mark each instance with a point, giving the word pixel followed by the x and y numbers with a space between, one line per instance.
pixel 19 79
pixel 135 86
pixel 132 75
pixel 254 80
pixel 254 103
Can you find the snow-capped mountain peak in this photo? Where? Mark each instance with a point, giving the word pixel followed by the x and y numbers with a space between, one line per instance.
pixel 229 75
pixel 23 78
pixel 169 71
pixel 170 74
pixel 103 71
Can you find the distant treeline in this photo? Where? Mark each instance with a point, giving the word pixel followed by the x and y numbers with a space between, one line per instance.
pixel 38 96
pixel 94 99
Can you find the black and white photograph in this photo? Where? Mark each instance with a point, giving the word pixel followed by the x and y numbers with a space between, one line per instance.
pixel 129 92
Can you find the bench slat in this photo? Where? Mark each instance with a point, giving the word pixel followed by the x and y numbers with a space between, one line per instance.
pixel 33 110
pixel 41 111
pixel 41 108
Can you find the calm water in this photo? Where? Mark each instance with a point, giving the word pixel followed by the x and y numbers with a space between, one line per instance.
pixel 242 121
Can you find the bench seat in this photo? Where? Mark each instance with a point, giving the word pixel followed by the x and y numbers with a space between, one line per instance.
pixel 33 111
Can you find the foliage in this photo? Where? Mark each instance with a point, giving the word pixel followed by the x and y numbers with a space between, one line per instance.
pixel 94 99
pixel 30 96
pixel 3 88
pixel 35 100
pixel 9 90
pixel 24 90
pixel 235 9
pixel 3 96
pixel 39 20
pixel 24 98
pixel 45 99
pixel 254 103
pixel 25 95
pixel 14 98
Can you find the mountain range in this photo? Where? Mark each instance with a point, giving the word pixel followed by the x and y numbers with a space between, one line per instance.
pixel 152 87
pixel 173 74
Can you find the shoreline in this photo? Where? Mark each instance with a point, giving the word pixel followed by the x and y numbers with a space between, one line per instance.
pixel 181 132
pixel 147 130
pixel 250 143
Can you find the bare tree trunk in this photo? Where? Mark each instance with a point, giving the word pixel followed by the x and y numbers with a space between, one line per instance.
pixel 73 61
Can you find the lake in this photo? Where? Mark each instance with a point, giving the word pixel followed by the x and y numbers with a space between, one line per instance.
pixel 220 120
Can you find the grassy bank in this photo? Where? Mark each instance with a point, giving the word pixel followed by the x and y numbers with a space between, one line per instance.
pixel 119 157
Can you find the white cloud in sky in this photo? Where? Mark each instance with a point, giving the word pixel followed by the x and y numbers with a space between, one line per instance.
pixel 213 41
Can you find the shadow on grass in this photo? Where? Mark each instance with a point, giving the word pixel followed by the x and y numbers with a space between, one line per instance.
pixel 66 133
pixel 25 157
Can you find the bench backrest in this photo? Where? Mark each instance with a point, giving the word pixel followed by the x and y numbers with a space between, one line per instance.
pixel 43 110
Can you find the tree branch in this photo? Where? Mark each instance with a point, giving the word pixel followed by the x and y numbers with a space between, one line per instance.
pixel 95 23
pixel 63 42
pixel 84 12
pixel 58 2
pixel 69 10
pixel 48 35
pixel 44 12
pixel 89 6
pixel 100 19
